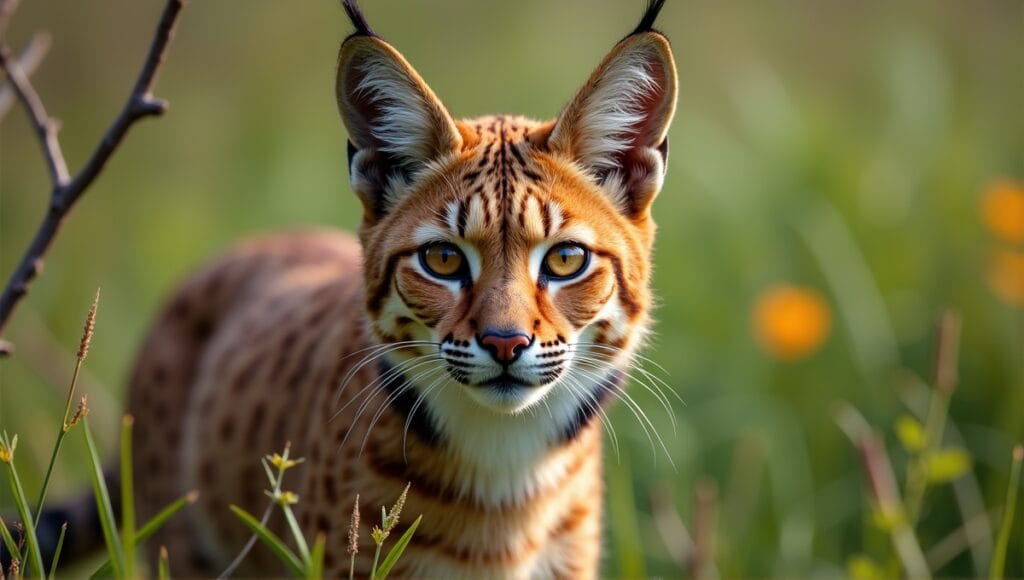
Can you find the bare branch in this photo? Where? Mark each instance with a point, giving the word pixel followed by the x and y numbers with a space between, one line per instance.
pixel 66 192
pixel 45 127
pixel 29 60
pixel 7 8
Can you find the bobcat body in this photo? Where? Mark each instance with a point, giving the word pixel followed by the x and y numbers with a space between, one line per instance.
pixel 466 343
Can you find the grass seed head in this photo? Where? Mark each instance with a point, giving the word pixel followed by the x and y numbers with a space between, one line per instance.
pixel 90 326
pixel 396 510
pixel 81 411
pixel 353 529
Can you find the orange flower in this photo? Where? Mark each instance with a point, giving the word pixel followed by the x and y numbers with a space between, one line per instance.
pixel 791 322
pixel 1006 276
pixel 1002 209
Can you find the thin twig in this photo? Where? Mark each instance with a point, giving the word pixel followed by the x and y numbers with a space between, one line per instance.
pixel 7 8
pixel 29 60
pixel 45 126
pixel 66 192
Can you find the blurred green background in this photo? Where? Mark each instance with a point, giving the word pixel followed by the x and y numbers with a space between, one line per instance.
pixel 838 146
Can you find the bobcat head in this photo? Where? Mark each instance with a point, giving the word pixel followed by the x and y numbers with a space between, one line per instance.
pixel 507 261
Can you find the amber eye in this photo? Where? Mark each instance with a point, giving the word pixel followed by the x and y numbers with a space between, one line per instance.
pixel 565 261
pixel 443 260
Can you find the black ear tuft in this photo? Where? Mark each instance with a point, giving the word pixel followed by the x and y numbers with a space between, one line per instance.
pixel 650 15
pixel 357 18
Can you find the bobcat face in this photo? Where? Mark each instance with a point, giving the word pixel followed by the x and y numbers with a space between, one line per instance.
pixel 506 261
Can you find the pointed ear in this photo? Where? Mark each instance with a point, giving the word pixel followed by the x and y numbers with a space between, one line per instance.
pixel 616 127
pixel 396 125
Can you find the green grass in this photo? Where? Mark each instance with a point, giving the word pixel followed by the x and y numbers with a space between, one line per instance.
pixel 309 564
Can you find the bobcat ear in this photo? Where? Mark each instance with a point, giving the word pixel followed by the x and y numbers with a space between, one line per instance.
pixel 616 126
pixel 396 125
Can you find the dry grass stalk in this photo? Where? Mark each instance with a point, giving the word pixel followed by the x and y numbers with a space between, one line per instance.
pixel 89 328
pixel 705 511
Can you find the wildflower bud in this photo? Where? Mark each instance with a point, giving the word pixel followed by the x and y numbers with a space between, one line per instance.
pixel 1002 210
pixel 791 322
pixel 378 535
pixel 283 463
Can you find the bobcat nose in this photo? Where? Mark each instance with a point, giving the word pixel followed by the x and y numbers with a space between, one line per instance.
pixel 504 348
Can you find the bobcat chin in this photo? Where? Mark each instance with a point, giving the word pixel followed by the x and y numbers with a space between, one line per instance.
pixel 467 343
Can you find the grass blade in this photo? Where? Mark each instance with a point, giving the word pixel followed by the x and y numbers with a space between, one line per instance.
pixel 396 551
pixel 83 351
pixel 150 527
pixel 270 539
pixel 316 559
pixel 1003 539
pixel 49 473
pixel 12 546
pixel 56 553
pixel 163 566
pixel 35 558
pixel 157 521
pixel 127 497
pixel 106 512
pixel 622 520
pixel 300 540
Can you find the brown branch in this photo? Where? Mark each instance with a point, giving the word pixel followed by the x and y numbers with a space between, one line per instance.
pixel 45 126
pixel 66 191
pixel 7 8
pixel 29 60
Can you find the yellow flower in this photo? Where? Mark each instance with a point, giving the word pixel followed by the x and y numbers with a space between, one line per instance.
pixel 288 498
pixel 791 322
pixel 7 448
pixel 1002 210
pixel 1006 276
pixel 378 535
pixel 282 463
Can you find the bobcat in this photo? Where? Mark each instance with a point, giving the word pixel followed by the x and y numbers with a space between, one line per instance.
pixel 466 344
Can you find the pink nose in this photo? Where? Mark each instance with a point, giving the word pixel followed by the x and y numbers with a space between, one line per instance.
pixel 505 348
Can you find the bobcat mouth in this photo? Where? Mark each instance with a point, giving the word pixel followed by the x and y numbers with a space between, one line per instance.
pixel 505 382
pixel 506 393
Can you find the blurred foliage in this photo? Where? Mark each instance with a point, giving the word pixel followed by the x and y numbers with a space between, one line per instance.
pixel 844 148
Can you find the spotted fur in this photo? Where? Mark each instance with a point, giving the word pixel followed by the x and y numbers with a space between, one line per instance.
pixel 380 372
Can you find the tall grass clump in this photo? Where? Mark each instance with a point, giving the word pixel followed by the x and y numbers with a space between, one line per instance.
pixel 309 563
pixel 121 543
pixel 931 462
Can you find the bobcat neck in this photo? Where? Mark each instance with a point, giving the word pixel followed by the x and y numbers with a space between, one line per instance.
pixel 491 459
